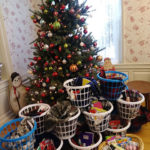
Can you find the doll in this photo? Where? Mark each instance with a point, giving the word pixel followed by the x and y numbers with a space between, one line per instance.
pixel 17 93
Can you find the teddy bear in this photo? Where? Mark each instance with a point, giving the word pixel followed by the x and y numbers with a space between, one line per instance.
pixel 17 93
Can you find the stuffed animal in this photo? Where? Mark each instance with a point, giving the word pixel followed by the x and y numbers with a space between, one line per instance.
pixel 17 94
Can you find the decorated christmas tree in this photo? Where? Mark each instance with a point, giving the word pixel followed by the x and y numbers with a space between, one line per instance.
pixel 63 49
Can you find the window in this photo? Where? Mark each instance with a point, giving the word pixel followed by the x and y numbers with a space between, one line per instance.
pixel 106 27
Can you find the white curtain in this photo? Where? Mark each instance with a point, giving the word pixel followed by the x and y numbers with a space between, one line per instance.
pixel 106 27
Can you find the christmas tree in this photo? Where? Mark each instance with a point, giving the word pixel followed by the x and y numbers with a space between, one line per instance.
pixel 63 49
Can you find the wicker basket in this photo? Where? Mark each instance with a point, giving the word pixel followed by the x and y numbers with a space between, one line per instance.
pixel 103 118
pixel 91 147
pixel 129 110
pixel 135 138
pixel 79 95
pixel 39 118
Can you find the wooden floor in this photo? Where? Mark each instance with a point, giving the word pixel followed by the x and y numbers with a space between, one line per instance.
pixel 144 133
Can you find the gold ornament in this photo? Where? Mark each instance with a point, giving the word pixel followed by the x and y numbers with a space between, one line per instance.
pixel 45 68
pixel 79 62
pixel 45 11
pixel 95 66
pixel 52 98
pixel 73 68
pixel 99 58
pixel 50 68
pixel 32 17
pixel 65 45
pixel 56 25
pixel 59 68
pixel 78 16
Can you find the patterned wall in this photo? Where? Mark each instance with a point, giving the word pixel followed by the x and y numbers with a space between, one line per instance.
pixel 20 31
pixel 136 26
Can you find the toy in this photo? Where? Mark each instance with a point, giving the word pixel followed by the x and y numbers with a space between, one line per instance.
pixel 17 94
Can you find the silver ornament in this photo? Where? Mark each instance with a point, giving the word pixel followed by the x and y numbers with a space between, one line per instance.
pixel 79 52
pixel 52 88
pixel 92 48
pixel 53 3
pixel 77 26
pixel 64 61
pixel 36 92
pixel 44 84
pixel 81 44
pixel 42 21
pixel 50 34
pixel 46 46
pixel 32 99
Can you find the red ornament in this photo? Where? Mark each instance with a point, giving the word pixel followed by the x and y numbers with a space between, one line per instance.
pixel 52 52
pixel 46 64
pixel 35 45
pixel 67 74
pixel 43 94
pixel 61 91
pixel 34 20
pixel 42 34
pixel 90 58
pixel 69 56
pixel 87 75
pixel 71 11
pixel 55 74
pixel 59 48
pixel 38 85
pixel 35 58
pixel 51 26
pixel 56 57
pixel 42 7
pixel 27 89
pixel 87 7
pixel 82 19
pixel 95 44
pixel 31 63
pixel 53 62
pixel 47 80
pixel 76 37
pixel 41 101
pixel 39 58
pixel 62 7
pixel 51 45
pixel 85 31
pixel 55 13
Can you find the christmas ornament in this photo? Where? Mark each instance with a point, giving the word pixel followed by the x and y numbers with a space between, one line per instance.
pixel 34 20
pixel 52 98
pixel 32 99
pixel 46 64
pixel 51 26
pixel 59 48
pixel 71 11
pixel 82 19
pixel 32 17
pixel 87 75
pixel 50 68
pixel 62 7
pixel 64 61
pixel 43 94
pixel 54 74
pixel 65 45
pixel 31 63
pixel 61 91
pixel 95 44
pixel 60 68
pixel 99 58
pixel 47 80
pixel 92 48
pixel 56 57
pixel 81 44
pixel 51 45
pixel 69 56
pixel 44 84
pixel 27 89
pixel 79 52
pixel 56 25
pixel 30 72
pixel 45 68
pixel 76 37
pixel 39 58
pixel 78 16
pixel 55 13
pixel 35 45
pixel 73 68
pixel 42 34
pixel 46 46
pixel 42 22
pixel 36 93
pixel 87 7
pixel 49 34
pixel 79 62
pixel 52 88
pixel 85 26
pixel 90 58
pixel 67 74
pixel 45 11
pixel 85 31
pixel 77 26
pixel 42 7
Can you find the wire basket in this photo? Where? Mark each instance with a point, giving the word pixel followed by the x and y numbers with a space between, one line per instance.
pixel 112 86
pixel 135 138
pixel 66 130
pixel 79 95
pixel 103 118
pixel 40 119
pixel 25 142
pixel 129 110
pixel 91 147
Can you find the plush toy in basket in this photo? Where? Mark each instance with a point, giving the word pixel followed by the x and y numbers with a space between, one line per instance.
pixel 129 104
pixel 98 114
pixel 80 89
pixel 112 83
pixel 18 134
pixel 37 112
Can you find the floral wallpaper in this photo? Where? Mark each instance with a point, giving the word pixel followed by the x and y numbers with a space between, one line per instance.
pixel 136 26
pixel 20 31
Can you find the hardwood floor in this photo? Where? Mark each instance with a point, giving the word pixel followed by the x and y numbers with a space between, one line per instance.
pixel 144 133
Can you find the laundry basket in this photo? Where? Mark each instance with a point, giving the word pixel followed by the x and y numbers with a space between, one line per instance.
pixel 66 130
pixel 91 147
pixel 103 118
pixel 38 118
pixel 113 84
pixel 79 95
pixel 25 142
pixel 129 110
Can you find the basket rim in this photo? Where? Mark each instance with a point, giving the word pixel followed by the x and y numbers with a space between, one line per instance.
pixel 138 102
pixel 110 80
pixel 31 105
pixel 20 138
pixel 87 147
pixel 74 87
pixel 120 130
pixel 100 114
pixel 77 115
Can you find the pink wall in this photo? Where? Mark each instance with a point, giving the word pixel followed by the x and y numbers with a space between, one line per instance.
pixel 136 26
pixel 20 31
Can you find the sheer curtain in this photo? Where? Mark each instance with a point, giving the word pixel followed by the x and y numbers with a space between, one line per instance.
pixel 106 27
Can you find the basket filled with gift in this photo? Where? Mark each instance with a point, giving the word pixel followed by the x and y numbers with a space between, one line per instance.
pixel 86 140
pixel 128 142
pixel 97 115
pixel 38 112
pixel 112 83
pixel 62 119
pixel 18 134
pixel 80 89
pixel 129 104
